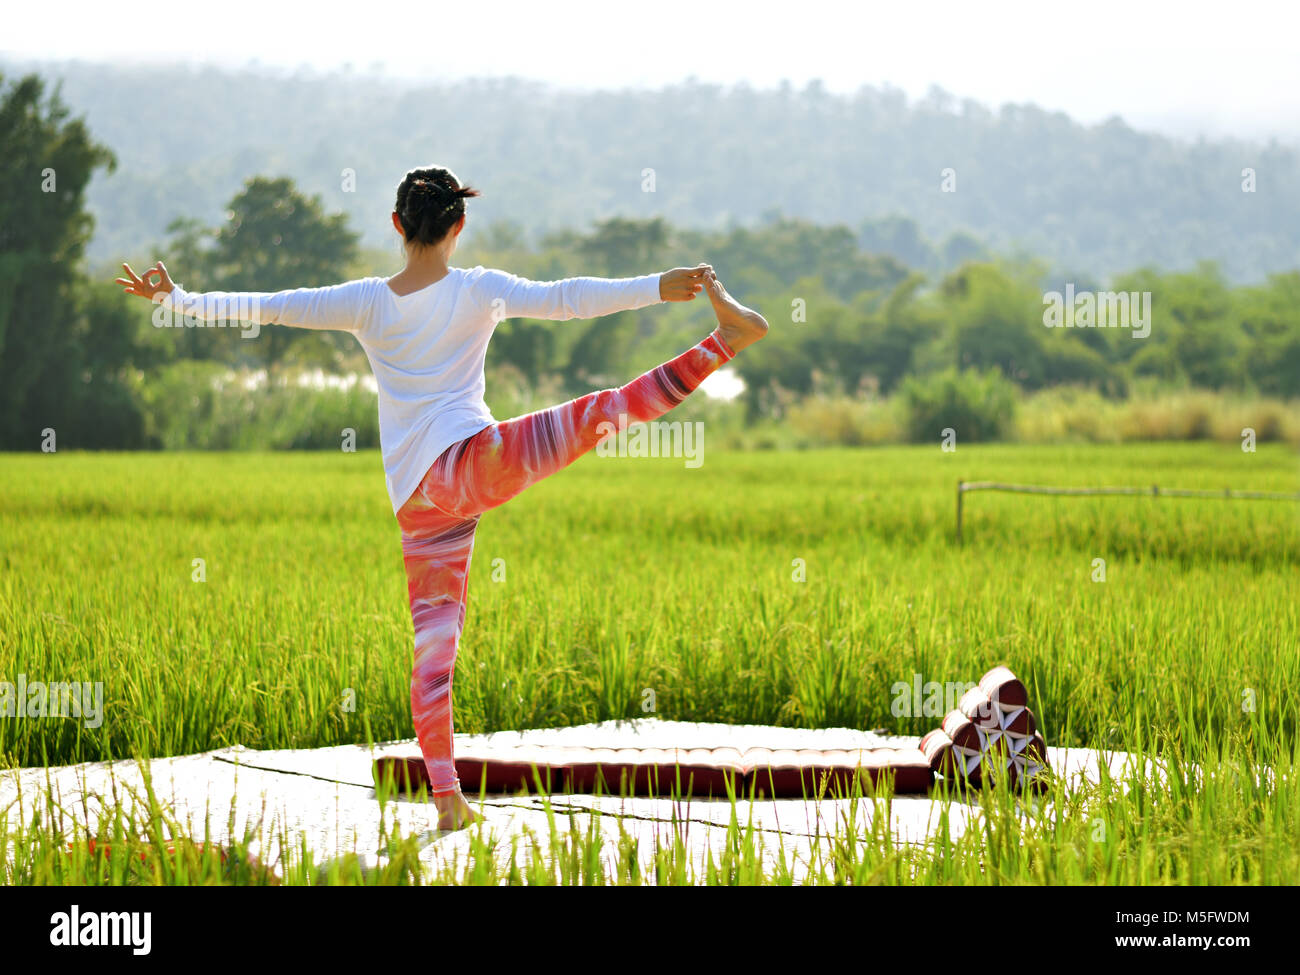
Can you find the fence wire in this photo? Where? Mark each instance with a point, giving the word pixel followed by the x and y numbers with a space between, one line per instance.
pixel 1155 491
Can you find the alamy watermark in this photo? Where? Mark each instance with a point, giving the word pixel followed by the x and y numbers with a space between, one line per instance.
pixel 1098 309
pixel 53 699
pixel 656 438
pixel 202 311
pixel 103 929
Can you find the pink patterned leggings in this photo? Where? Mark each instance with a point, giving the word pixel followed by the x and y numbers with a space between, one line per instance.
pixel 482 472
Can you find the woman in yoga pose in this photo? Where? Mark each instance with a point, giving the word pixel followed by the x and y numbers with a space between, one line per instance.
pixel 425 331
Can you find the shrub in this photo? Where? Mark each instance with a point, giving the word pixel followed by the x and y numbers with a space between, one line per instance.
pixel 205 406
pixel 1068 414
pixel 980 406
pixel 842 421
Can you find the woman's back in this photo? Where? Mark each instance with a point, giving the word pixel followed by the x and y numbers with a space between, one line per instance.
pixel 427 350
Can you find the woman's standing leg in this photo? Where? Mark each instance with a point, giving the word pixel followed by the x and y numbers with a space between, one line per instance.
pixel 436 549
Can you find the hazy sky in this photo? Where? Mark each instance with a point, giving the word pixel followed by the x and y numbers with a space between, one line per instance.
pixel 1181 67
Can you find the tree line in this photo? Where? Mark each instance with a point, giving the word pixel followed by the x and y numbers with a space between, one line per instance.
pixel 920 179
pixel 78 356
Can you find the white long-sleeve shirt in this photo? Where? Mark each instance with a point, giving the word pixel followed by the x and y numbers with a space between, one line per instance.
pixel 426 348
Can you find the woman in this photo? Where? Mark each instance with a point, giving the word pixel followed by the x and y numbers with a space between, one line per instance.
pixel 425 331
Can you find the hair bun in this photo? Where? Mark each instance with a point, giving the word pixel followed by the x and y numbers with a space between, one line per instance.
pixel 429 202
pixel 426 190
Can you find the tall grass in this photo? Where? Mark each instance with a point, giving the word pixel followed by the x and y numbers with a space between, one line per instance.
pixel 192 405
pixel 1066 414
pixel 1217 822
pixel 627 575
pixel 1060 415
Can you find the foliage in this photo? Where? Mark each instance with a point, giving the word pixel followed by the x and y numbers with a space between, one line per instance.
pixel 857 315
pixel 1097 198
pixel 57 355
pixel 979 406
pixel 624 574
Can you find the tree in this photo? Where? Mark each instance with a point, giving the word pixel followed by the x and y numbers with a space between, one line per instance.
pixel 1270 319
pixel 996 322
pixel 47 163
pixel 275 239
pixel 622 248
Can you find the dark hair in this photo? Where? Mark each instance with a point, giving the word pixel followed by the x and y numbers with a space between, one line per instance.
pixel 429 202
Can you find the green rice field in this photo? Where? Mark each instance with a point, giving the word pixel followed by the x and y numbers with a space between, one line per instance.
pixel 788 588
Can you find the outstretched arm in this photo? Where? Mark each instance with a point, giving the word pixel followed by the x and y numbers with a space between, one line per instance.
pixel 337 306
pixel 585 297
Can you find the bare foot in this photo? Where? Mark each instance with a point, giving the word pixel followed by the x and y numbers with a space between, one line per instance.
pixel 453 811
pixel 740 326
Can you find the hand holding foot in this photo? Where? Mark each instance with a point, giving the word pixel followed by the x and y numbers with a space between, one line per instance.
pixel 738 325
pixel 682 283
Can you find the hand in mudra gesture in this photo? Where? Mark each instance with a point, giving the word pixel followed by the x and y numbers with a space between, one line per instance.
pixel 145 286
pixel 682 283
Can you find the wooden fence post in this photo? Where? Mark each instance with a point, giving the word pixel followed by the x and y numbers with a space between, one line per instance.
pixel 960 492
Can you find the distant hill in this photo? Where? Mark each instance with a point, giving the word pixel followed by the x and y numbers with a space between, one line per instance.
pixel 1093 200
